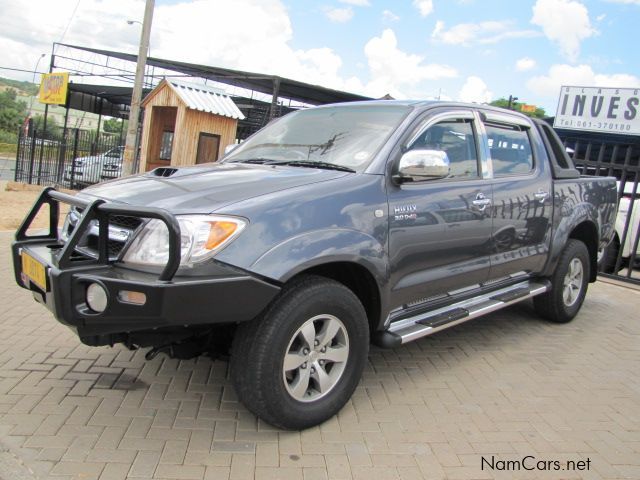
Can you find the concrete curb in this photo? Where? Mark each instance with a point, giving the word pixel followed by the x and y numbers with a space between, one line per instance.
pixel 619 283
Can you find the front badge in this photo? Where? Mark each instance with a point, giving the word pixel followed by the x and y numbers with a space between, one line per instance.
pixel 405 212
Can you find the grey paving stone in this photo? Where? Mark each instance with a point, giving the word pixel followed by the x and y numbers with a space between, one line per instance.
pixel 507 385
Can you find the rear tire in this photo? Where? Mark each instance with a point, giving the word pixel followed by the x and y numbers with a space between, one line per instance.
pixel 568 285
pixel 298 363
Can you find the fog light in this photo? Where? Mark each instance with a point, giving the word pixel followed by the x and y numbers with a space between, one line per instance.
pixel 136 298
pixel 96 297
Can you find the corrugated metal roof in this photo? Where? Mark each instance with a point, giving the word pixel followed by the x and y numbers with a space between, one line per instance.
pixel 206 99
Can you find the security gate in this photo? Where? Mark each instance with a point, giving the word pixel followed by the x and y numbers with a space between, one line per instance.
pixel 617 156
pixel 71 158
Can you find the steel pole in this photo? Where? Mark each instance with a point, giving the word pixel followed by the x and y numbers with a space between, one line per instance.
pixel 63 145
pixel 136 96
pixel 274 98
pixel 33 80
pixel 46 115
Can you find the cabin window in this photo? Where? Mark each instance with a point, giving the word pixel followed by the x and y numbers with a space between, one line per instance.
pixel 166 145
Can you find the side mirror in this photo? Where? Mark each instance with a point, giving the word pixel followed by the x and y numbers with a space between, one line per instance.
pixel 418 165
pixel 230 148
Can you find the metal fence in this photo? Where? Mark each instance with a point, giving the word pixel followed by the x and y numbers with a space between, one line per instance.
pixel 70 158
pixel 617 156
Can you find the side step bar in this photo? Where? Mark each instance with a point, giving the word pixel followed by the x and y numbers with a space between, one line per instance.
pixel 418 326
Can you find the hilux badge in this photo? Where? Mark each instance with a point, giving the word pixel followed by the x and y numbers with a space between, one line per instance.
pixel 405 209
pixel 405 212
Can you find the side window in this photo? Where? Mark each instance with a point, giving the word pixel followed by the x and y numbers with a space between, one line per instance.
pixel 456 139
pixel 166 145
pixel 510 149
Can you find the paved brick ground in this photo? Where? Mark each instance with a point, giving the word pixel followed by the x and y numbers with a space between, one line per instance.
pixel 508 385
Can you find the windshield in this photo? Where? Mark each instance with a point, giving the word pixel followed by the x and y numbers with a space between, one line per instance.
pixel 345 136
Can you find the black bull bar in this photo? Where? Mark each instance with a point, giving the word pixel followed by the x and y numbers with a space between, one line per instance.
pixel 99 210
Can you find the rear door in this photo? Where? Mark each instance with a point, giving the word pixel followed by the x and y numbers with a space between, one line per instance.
pixel 522 195
pixel 440 230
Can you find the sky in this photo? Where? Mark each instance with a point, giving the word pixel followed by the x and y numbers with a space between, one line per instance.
pixel 468 50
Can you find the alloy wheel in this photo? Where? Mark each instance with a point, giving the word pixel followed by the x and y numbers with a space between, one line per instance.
pixel 572 285
pixel 315 358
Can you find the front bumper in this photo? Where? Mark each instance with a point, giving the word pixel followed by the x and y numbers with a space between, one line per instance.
pixel 224 295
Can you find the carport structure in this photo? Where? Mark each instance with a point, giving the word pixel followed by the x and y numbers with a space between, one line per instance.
pixel 251 90
pixel 102 81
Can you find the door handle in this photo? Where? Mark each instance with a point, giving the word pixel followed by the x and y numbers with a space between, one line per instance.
pixel 541 195
pixel 481 202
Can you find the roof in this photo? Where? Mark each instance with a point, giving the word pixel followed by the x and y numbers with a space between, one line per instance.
pixel 201 98
pixel 108 100
pixel 287 88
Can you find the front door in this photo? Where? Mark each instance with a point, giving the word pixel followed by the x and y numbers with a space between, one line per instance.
pixel 440 230
pixel 208 146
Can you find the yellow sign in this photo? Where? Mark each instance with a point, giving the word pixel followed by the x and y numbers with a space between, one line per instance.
pixel 528 108
pixel 53 88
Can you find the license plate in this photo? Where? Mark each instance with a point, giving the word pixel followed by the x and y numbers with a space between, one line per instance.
pixel 34 270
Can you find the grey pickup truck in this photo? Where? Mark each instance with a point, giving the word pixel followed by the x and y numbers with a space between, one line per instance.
pixel 330 228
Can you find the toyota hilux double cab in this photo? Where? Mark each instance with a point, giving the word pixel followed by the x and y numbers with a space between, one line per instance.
pixel 330 228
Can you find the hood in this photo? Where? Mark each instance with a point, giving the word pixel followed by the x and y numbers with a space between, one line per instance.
pixel 206 188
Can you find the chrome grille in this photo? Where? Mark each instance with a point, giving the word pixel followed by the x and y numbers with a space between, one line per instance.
pixel 124 221
pixel 121 232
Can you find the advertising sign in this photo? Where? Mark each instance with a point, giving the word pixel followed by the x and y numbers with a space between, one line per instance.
pixel 528 108
pixel 53 88
pixel 594 109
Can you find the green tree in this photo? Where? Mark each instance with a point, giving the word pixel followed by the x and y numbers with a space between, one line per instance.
pixel 12 111
pixel 54 131
pixel 114 125
pixel 517 106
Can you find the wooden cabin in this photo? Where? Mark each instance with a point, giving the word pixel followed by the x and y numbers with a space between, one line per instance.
pixel 186 124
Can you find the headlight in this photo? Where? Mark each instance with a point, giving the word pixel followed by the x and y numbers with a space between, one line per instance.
pixel 200 237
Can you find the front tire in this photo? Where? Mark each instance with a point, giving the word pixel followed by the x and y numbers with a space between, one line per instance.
pixel 297 364
pixel 568 285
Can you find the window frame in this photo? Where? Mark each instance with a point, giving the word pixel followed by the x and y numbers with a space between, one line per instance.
pixel 431 119
pixel 173 134
pixel 210 135
pixel 507 121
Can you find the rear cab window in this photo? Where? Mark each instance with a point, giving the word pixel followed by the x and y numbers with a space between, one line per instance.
pixel 510 149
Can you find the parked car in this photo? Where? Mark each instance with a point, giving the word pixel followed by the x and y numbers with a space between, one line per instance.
pixel 112 168
pixel 330 227
pixel 608 256
pixel 88 170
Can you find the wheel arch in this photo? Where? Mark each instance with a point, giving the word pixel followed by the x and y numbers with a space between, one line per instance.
pixel 356 278
pixel 353 258
pixel 587 233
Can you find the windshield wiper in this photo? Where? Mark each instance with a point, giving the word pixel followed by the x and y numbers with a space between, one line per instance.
pixel 312 164
pixel 260 160
pixel 295 163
